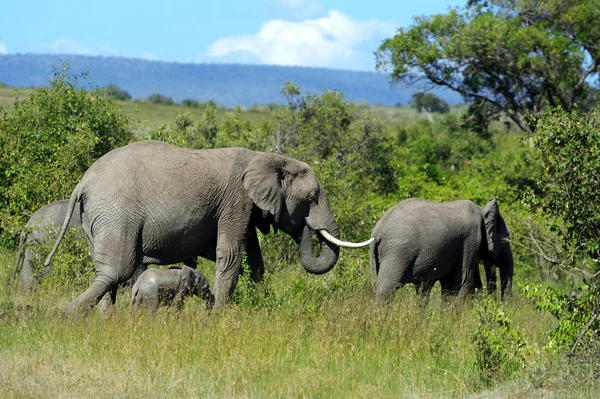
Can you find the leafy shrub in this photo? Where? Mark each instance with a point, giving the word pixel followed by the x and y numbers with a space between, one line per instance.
pixel 157 98
pixel 501 350
pixel 48 141
pixel 190 103
pixel 579 326
pixel 113 91
pixel 251 295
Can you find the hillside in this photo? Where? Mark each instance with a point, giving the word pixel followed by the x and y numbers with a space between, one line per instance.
pixel 226 84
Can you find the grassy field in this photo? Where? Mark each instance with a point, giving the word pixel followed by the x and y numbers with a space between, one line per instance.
pixel 346 346
pixel 148 115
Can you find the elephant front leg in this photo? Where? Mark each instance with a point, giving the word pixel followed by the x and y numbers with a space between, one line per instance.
pixel 229 264
pixel 254 257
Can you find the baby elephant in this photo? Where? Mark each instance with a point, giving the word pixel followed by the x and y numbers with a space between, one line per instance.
pixel 159 286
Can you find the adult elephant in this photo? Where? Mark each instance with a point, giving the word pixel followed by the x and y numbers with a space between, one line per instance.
pixel 153 203
pixel 37 232
pixel 421 242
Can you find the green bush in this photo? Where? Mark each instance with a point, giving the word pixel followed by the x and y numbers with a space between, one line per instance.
pixel 190 103
pixel 156 98
pixel 501 350
pixel 113 91
pixel 48 141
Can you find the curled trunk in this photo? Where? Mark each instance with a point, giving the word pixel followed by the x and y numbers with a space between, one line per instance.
pixel 326 259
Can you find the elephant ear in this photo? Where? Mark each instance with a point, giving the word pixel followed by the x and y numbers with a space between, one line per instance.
pixel 187 278
pixel 495 228
pixel 262 180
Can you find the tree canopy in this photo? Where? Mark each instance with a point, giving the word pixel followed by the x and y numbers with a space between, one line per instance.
pixel 512 57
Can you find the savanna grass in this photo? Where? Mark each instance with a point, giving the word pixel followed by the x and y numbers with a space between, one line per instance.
pixel 344 346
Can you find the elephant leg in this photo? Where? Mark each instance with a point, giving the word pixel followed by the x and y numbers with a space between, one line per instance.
pixel 490 276
pixel 229 263
pixel 115 262
pixel 254 257
pixel 86 301
pixel 389 277
pixel 108 300
pixel 26 277
pixel 470 276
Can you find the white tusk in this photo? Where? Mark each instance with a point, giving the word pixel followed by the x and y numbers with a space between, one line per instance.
pixel 345 244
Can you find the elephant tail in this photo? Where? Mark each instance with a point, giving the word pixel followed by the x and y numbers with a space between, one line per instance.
pixel 374 261
pixel 19 257
pixel 75 196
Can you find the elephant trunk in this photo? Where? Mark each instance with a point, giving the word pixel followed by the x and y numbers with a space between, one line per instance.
pixel 506 265
pixel 320 218
pixel 326 259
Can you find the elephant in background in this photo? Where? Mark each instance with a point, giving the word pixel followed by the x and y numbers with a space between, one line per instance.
pixel 421 242
pixel 153 203
pixel 38 226
pixel 157 286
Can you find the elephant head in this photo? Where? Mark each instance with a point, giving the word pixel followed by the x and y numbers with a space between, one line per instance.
pixel 192 282
pixel 290 196
pixel 499 252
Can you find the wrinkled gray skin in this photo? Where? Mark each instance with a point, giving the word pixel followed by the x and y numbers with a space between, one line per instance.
pixel 157 286
pixel 152 203
pixel 38 226
pixel 421 242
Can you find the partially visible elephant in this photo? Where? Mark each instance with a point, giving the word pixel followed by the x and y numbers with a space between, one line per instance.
pixel 38 226
pixel 157 286
pixel 153 203
pixel 421 242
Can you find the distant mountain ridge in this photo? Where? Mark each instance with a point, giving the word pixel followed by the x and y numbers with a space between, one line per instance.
pixel 227 84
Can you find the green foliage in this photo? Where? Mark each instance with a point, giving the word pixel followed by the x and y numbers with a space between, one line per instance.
pixel 569 148
pixel 503 56
pixel 209 132
pixel 156 98
pixel 48 141
pixel 113 91
pixel 190 103
pixel 326 127
pixel 429 102
pixel 251 295
pixel 501 350
pixel 72 268
pixel 577 316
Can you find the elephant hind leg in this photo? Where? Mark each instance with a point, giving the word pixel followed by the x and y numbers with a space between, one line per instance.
pixel 390 277
pixel 101 285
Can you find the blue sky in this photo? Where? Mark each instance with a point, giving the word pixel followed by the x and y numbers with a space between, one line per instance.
pixel 338 34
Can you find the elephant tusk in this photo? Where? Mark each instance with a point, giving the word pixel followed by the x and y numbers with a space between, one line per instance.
pixel 345 244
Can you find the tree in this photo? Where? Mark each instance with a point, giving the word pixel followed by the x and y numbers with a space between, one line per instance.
pixel 429 102
pixel 48 141
pixel 113 91
pixel 512 57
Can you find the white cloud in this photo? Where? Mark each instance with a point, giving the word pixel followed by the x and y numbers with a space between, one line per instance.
pixel 68 46
pixel 330 41
pixel 3 49
pixel 146 55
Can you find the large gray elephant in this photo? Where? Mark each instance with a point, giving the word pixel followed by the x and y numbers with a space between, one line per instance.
pixel 421 242
pixel 37 232
pixel 153 203
pixel 170 286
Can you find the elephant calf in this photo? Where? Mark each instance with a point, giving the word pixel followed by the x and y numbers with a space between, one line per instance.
pixel 170 286
pixel 421 242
